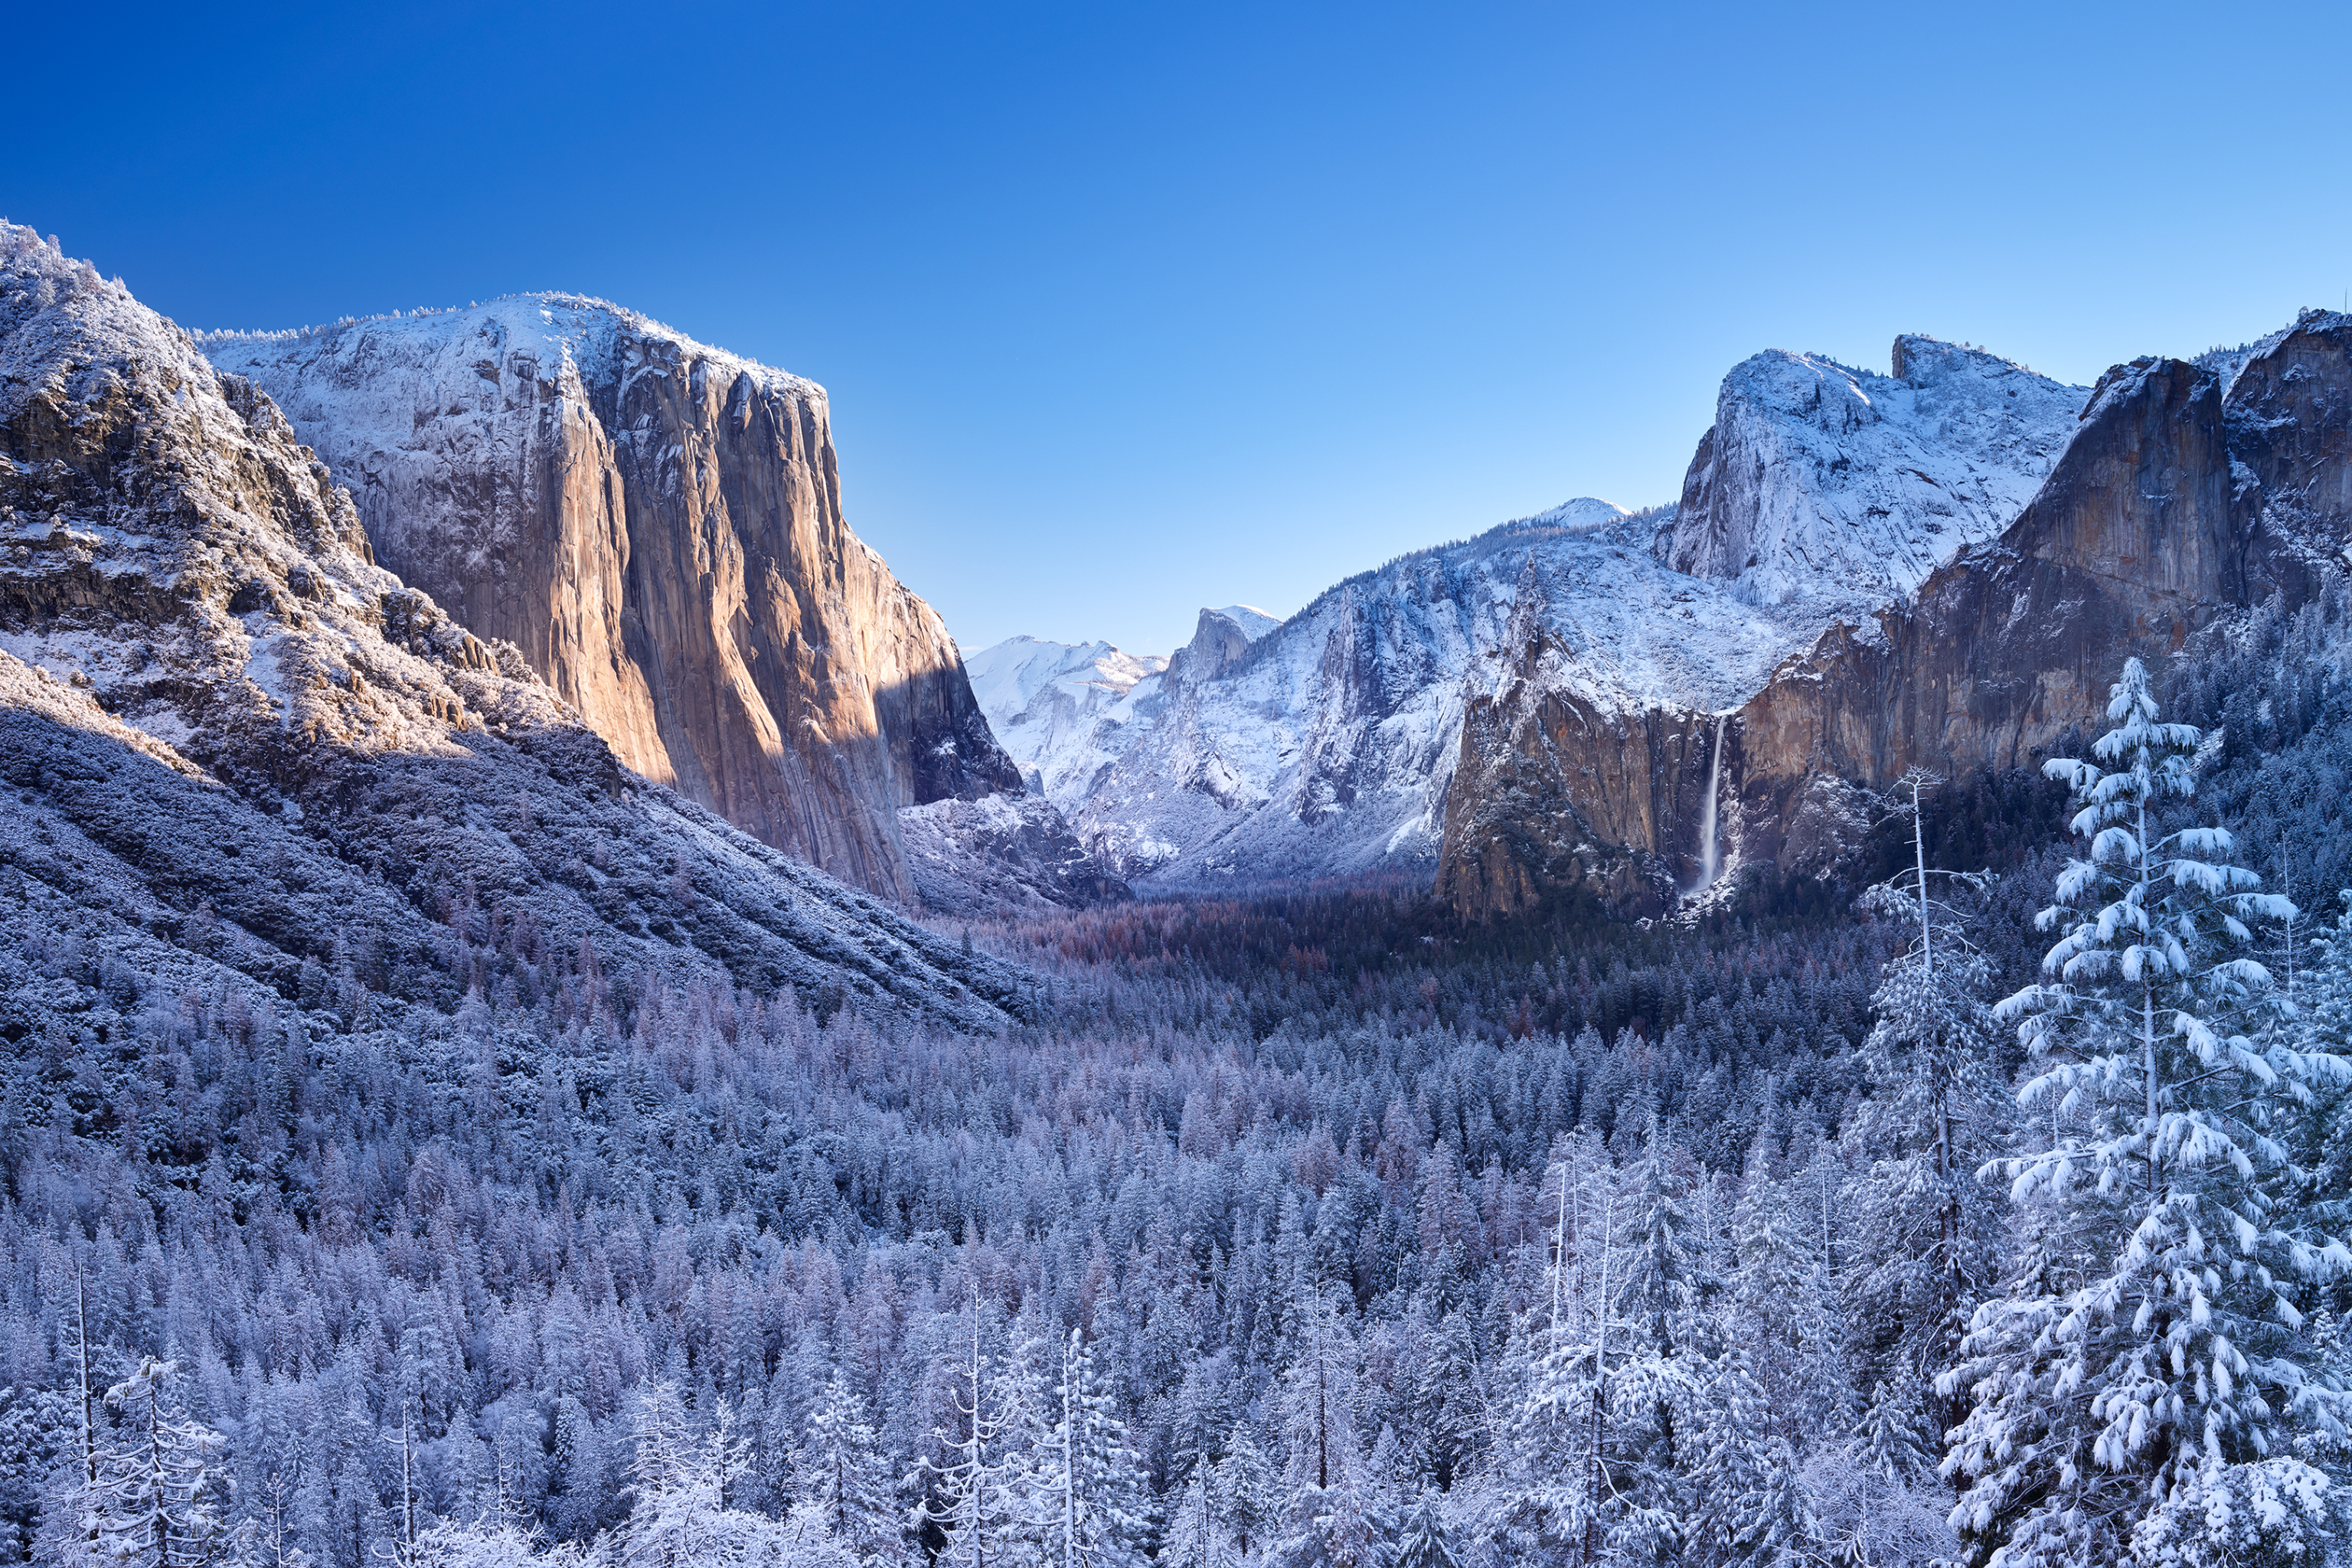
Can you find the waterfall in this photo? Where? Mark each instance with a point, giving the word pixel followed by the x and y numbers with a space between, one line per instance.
pixel 1707 866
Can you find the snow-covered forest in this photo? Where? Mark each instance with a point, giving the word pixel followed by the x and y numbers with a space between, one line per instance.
pixel 2000 1222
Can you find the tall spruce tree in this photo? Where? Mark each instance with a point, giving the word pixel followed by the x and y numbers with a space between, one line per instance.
pixel 2145 1372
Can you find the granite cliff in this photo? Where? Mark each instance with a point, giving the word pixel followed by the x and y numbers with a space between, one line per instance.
pixel 656 525
pixel 2187 491
pixel 243 757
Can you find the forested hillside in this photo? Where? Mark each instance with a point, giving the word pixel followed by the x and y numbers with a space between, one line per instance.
pixel 1317 1228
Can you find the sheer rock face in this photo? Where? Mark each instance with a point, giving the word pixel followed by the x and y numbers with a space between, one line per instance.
pixel 236 749
pixel 658 526
pixel 2188 491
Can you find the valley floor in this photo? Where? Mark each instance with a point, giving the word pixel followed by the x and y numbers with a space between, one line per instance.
pixel 1310 1227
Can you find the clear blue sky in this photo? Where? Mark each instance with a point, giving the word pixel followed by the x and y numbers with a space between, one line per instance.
pixel 1126 310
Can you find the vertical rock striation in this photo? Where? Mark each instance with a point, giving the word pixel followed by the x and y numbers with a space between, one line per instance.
pixel 237 749
pixel 658 525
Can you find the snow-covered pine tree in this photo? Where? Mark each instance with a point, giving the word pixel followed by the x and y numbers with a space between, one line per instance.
pixel 152 1493
pixel 1334 1516
pixel 1424 1541
pixel 1193 1537
pixel 678 1513
pixel 1928 1228
pixel 2147 1369
pixel 984 1498
pixel 1086 1476
pixel 1244 1496
pixel 843 1473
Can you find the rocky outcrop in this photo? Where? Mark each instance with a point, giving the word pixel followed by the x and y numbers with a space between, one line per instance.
pixel 236 750
pixel 658 526
pixel 1555 792
pixel 2187 492
pixel 1002 854
pixel 1823 481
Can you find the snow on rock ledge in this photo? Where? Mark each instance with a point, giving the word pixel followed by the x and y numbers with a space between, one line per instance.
pixel 1821 481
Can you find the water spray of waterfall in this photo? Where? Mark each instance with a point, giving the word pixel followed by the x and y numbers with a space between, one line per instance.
pixel 1707 859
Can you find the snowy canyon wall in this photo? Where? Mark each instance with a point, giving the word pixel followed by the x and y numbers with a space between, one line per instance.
pixel 658 526
pixel 2185 491
pixel 1540 702
pixel 242 757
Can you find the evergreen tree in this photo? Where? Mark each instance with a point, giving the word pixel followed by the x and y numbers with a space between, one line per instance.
pixel 1245 1496
pixel 1087 1477
pixel 2148 1358
pixel 842 1475
pixel 154 1490
pixel 1424 1541
pixel 986 1501
pixel 679 1514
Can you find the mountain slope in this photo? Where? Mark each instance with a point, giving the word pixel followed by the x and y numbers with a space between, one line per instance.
pixel 235 747
pixel 1327 745
pixel 658 526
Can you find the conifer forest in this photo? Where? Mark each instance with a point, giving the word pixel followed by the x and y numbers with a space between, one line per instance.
pixel 1988 1205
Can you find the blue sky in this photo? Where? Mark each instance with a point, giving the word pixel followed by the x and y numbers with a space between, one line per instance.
pixel 1126 310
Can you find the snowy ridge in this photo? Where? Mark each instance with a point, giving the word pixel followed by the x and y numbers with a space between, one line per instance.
pixel 1045 701
pixel 1820 481
pixel 1328 745
pixel 592 332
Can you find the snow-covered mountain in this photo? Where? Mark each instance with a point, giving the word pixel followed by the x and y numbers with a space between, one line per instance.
pixel 1325 744
pixel 657 524
pixel 1328 744
pixel 2185 493
pixel 1823 481
pixel 1050 706
pixel 242 757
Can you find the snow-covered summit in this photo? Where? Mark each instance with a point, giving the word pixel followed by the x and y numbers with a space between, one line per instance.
pixel 1045 701
pixel 1253 621
pixel 1823 481
pixel 1585 514
pixel 607 341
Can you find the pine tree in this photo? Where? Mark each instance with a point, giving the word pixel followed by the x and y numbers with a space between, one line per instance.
pixel 1335 1515
pixel 985 1500
pixel 679 1515
pixel 1245 1496
pixel 842 1474
pixel 153 1492
pixel 1424 1541
pixel 1933 1117
pixel 1193 1537
pixel 2150 1350
pixel 1087 1477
